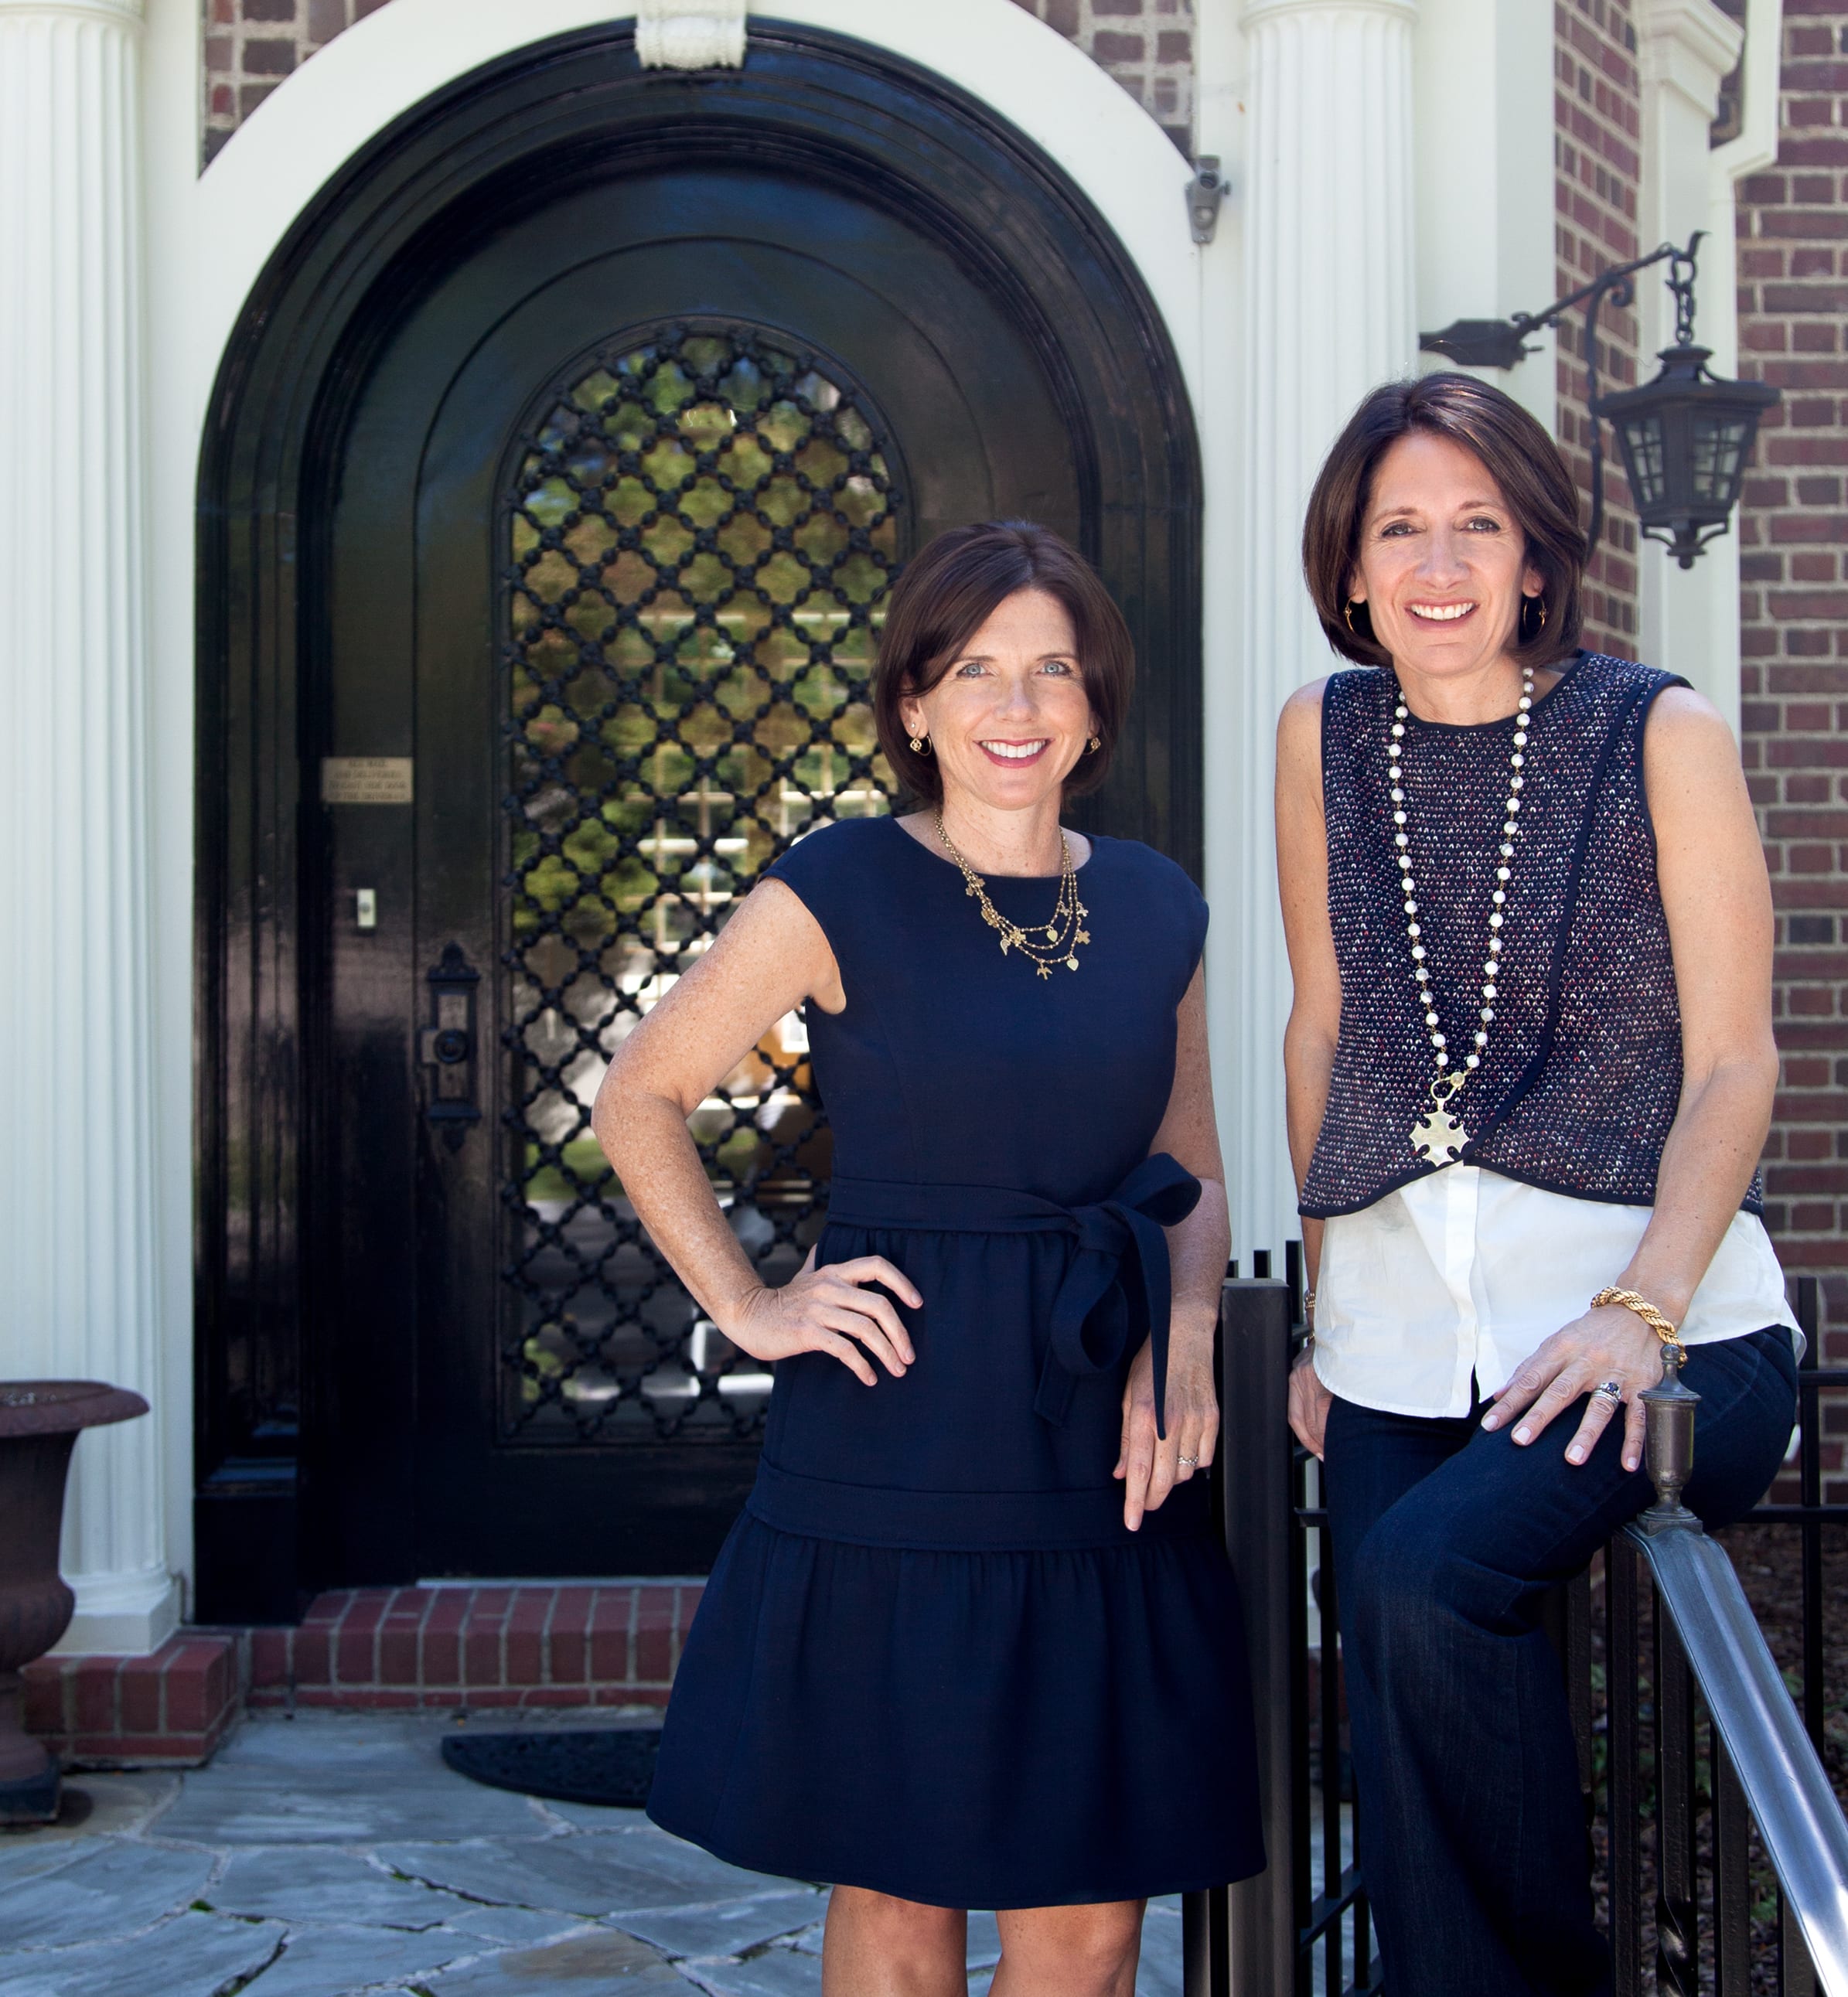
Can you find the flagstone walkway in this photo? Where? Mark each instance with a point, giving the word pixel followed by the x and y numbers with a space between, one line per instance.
pixel 326 1855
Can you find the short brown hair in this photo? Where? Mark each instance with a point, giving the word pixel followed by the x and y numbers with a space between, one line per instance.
pixel 1517 453
pixel 945 595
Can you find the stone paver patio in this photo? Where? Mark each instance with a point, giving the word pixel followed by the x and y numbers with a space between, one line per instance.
pixel 326 1855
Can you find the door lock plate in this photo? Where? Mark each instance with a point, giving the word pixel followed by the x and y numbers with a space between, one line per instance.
pixel 446 1045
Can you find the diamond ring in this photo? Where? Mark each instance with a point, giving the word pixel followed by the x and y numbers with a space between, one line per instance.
pixel 1609 1390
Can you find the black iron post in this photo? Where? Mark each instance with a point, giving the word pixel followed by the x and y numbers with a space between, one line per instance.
pixel 1260 1915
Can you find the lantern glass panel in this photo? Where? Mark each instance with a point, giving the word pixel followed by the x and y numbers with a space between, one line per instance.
pixel 1643 450
pixel 1719 445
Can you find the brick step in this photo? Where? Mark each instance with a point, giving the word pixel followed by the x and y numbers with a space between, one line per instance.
pixel 407 1648
pixel 170 1709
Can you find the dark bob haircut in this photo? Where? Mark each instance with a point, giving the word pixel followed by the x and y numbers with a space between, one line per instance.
pixel 1520 457
pixel 945 595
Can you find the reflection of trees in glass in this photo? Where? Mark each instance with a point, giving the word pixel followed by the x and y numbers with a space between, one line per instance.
pixel 699 543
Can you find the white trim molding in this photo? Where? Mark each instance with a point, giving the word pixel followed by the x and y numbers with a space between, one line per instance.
pixel 690 34
pixel 1689 619
pixel 1485 181
pixel 78 1239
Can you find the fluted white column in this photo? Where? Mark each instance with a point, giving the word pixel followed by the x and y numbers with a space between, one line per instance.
pixel 1329 275
pixel 77 1295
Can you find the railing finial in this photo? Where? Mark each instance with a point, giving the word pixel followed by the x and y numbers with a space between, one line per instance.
pixel 1668 1447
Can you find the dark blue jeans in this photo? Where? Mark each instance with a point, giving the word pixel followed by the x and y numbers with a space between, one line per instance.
pixel 1471 1828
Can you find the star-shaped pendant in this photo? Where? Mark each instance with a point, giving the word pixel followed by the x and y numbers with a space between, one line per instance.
pixel 1439 1138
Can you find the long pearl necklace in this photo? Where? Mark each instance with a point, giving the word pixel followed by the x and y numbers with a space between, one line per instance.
pixel 1438 1138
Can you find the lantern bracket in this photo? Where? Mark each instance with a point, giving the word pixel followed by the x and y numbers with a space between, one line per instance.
pixel 1503 343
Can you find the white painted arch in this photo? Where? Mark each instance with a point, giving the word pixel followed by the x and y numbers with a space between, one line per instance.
pixel 389 62
pixel 210 237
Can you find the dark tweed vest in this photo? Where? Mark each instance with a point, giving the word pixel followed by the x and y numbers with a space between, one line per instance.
pixel 1582 1074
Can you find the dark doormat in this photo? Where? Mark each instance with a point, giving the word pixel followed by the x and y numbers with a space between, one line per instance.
pixel 614 1765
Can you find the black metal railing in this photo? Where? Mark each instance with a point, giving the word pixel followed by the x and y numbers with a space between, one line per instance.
pixel 1722 1856
pixel 1809 1516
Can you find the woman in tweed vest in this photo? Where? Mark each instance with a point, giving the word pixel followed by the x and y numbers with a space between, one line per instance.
pixel 1530 1070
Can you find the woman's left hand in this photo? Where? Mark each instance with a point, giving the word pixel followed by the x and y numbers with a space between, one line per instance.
pixel 1149 1466
pixel 1608 1344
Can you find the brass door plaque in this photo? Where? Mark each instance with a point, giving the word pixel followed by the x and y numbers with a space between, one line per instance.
pixel 366 780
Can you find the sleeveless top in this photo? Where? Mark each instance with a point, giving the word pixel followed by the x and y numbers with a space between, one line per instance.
pixel 1582 1077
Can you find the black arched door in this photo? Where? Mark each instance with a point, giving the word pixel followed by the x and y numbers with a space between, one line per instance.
pixel 620 431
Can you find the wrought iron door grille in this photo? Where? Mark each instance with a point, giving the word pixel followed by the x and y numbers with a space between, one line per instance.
pixel 701 531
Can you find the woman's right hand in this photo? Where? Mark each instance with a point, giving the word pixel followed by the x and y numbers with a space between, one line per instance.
pixel 826 1310
pixel 1308 1405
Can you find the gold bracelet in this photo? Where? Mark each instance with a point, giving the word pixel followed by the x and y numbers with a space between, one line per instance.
pixel 1643 1309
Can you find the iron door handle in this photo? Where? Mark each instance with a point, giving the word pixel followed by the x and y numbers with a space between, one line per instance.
pixel 446 1045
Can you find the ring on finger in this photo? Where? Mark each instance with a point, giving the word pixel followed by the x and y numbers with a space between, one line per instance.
pixel 1609 1390
pixel 1188 1462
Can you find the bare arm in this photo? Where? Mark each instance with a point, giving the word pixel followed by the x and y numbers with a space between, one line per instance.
pixel 1717 899
pixel 1314 1021
pixel 1150 1466
pixel 771 956
pixel 1717 896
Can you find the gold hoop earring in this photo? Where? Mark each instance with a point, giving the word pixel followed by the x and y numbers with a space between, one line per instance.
pixel 920 745
pixel 1538 603
pixel 1347 611
pixel 1094 745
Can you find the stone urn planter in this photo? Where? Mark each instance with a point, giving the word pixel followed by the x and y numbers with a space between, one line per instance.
pixel 39 1422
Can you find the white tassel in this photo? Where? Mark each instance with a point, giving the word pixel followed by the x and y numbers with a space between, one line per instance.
pixel 690 34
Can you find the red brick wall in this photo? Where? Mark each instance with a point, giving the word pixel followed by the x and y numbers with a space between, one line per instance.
pixel 1597 120
pixel 1146 45
pixel 1793 331
pixel 252 45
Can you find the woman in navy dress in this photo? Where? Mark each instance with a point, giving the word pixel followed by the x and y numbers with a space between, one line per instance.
pixel 972 1643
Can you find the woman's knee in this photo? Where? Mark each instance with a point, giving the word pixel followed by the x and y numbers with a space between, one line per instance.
pixel 908 1941
pixel 1082 1951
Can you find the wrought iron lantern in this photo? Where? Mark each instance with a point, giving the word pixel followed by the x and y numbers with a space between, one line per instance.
pixel 1686 437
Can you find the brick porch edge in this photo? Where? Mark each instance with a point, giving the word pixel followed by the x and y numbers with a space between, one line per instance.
pixel 167 1710
pixel 410 1648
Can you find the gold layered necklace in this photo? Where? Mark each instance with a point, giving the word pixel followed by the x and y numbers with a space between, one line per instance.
pixel 1058 941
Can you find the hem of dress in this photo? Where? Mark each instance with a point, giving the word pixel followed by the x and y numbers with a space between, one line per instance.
pixel 868 1881
pixel 1322 1210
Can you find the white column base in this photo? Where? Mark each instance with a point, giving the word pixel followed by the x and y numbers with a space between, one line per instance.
pixel 128 1615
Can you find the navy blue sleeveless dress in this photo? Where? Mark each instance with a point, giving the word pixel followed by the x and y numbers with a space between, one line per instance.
pixel 931 1661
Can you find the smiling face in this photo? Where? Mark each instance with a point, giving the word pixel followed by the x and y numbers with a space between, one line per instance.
pixel 1442 564
pixel 1009 719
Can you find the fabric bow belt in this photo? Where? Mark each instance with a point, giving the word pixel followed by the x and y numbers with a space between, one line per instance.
pixel 1117 1290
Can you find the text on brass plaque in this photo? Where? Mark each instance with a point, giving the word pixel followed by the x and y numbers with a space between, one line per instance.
pixel 366 780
